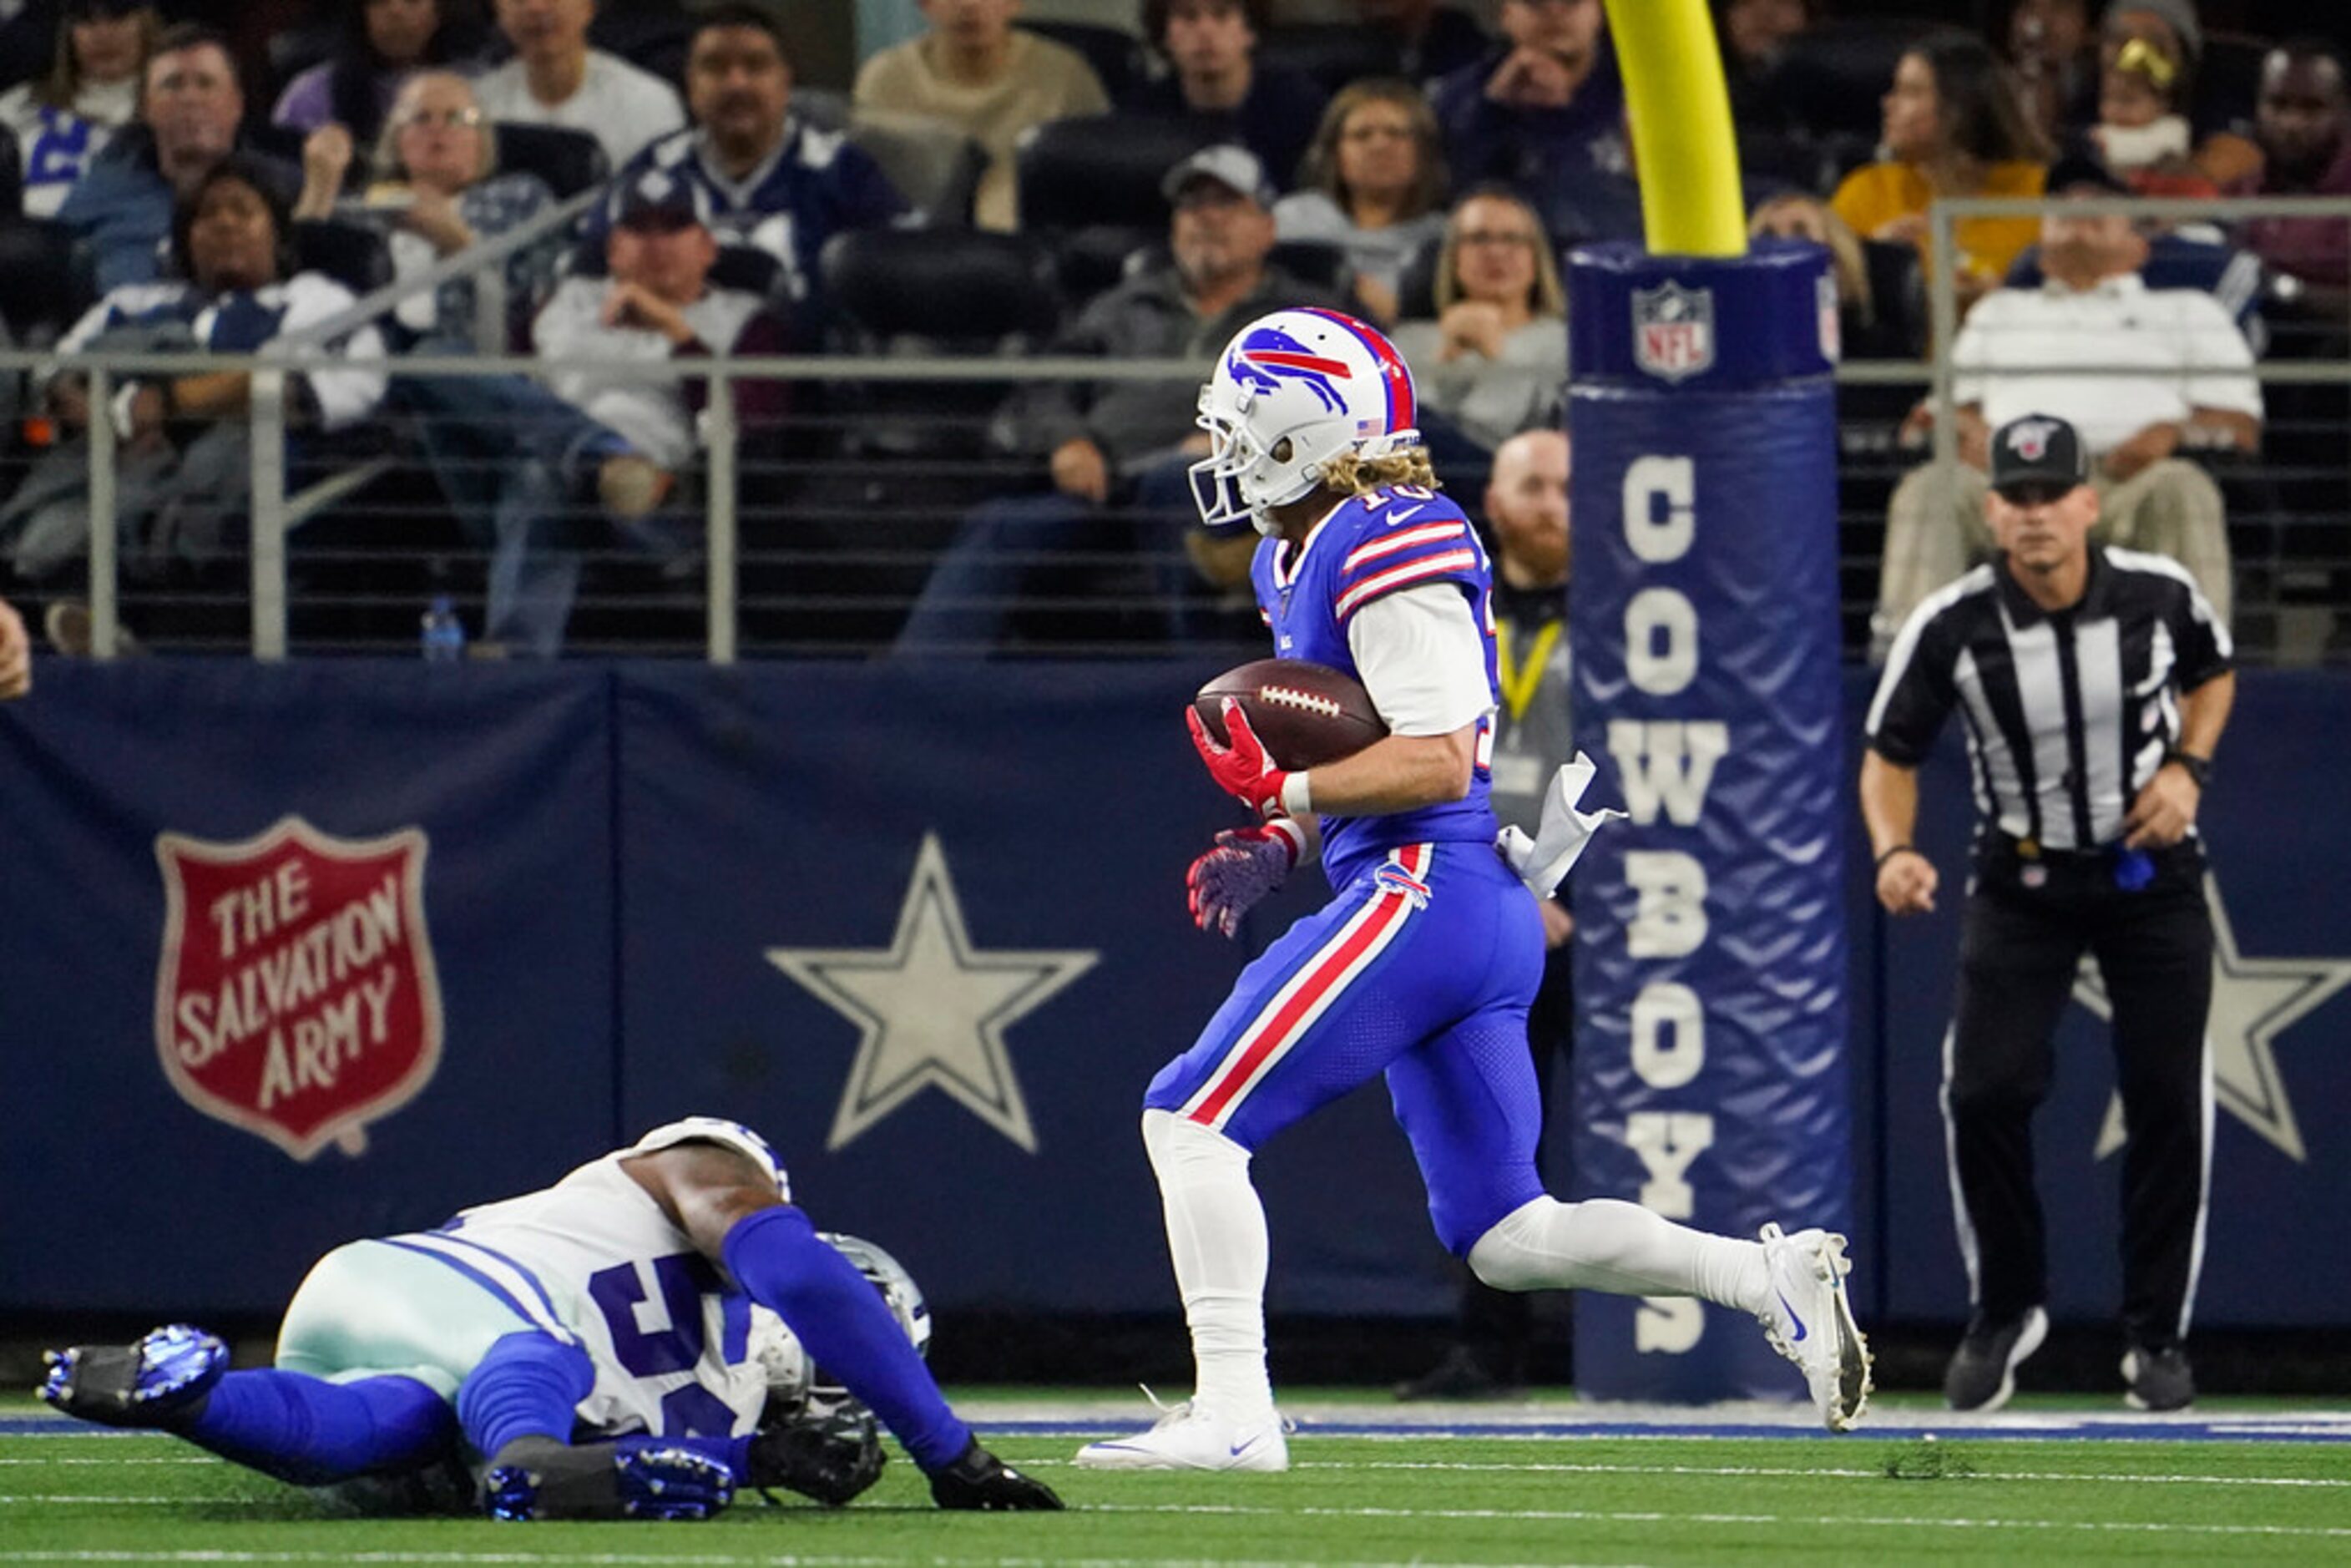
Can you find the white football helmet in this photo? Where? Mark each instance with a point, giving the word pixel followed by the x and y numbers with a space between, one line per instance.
pixel 794 1380
pixel 1292 391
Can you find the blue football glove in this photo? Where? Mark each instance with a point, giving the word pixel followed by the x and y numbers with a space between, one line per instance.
pixel 1241 868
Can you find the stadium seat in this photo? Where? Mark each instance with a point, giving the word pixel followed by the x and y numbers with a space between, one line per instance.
pixel 1332 54
pixel 353 255
pixel 1116 55
pixel 1099 170
pixel 936 167
pixel 568 161
pixel 955 292
pixel 38 297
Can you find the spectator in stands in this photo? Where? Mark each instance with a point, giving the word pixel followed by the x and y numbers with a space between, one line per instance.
pixel 2141 135
pixel 1954 127
pixel 987 79
pixel 387 40
pixel 15 655
pixel 123 203
pixel 1754 34
pixel 2051 48
pixel 184 462
pixel 1496 357
pixel 768 177
pixel 2193 390
pixel 1543 112
pixel 438 192
pixel 1374 181
pixel 1874 323
pixel 2305 125
pixel 555 78
pixel 1431 39
pixel 1215 83
pixel 2225 149
pixel 523 462
pixel 63 119
pixel 1119 452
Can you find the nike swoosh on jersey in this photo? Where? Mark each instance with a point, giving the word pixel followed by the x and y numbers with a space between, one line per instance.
pixel 1396 517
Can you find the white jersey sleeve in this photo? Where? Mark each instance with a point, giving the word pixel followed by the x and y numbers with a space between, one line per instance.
pixel 1423 659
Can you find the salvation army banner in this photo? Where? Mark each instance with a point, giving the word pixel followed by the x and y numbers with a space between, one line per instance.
pixel 297 953
pixel 293 954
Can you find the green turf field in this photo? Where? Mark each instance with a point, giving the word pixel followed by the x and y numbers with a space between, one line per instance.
pixel 1410 1498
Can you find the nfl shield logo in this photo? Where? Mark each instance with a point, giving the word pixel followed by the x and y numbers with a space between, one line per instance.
pixel 1673 330
pixel 297 997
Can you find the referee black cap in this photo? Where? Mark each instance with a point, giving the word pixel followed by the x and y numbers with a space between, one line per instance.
pixel 2038 453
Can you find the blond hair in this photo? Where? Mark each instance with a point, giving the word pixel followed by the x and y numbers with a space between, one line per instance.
pixel 1354 475
pixel 388 167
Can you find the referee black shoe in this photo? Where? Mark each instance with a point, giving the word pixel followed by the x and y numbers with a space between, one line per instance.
pixel 2157 1379
pixel 1982 1373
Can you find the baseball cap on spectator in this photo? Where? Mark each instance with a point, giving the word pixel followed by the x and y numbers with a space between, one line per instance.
pixel 2037 452
pixel 1229 164
pixel 659 200
pixel 2180 15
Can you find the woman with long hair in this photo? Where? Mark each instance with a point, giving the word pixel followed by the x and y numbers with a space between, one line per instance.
pixel 91 90
pixel 1954 126
pixel 1374 184
pixel 1495 356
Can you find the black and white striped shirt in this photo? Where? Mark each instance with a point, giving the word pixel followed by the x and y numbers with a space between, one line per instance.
pixel 2068 715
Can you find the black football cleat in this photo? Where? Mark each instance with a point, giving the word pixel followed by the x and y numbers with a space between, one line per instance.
pixel 161 1382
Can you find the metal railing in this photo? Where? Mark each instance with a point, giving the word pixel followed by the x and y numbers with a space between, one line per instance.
pixel 829 568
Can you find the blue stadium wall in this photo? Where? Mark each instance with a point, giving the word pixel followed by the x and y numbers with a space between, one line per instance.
pixel 290 955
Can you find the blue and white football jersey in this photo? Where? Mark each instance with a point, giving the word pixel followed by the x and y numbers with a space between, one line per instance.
pixel 1370 546
pixel 593 1260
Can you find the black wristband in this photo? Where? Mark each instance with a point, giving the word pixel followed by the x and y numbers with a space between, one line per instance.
pixel 2199 768
pixel 1897 850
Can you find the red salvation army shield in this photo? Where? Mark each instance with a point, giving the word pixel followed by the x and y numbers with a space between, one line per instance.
pixel 297 997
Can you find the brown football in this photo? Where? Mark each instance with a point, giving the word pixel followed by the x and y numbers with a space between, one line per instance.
pixel 1306 714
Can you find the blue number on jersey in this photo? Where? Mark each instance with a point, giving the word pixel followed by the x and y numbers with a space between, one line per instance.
pixel 685 1278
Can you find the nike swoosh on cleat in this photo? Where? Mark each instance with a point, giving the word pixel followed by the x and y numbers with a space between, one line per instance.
pixel 1237 1449
pixel 1792 1318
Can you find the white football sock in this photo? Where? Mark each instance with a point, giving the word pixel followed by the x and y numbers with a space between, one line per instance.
pixel 1215 1236
pixel 1603 1244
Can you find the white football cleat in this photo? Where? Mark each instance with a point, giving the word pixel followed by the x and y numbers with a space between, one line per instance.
pixel 1808 1320
pixel 1189 1438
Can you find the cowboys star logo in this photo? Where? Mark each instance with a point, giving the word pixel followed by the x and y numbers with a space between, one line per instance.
pixel 2254 1001
pixel 933 1009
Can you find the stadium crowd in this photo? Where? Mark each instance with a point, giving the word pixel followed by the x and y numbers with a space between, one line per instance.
pixel 663 183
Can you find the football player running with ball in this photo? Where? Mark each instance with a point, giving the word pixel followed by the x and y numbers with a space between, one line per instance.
pixel 633 1342
pixel 1422 964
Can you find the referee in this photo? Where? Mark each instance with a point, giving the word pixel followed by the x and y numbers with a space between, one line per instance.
pixel 2093 684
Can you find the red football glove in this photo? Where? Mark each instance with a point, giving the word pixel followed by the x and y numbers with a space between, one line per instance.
pixel 1243 866
pixel 1241 769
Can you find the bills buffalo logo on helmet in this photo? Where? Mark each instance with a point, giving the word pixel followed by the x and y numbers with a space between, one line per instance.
pixel 1269 356
pixel 297 997
pixel 2029 438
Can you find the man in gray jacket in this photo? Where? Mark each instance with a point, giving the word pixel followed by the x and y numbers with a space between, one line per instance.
pixel 1117 450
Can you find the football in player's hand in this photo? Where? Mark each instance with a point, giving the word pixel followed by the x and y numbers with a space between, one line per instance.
pixel 1306 714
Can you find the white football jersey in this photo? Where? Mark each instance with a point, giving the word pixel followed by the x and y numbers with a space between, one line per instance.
pixel 594 1261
